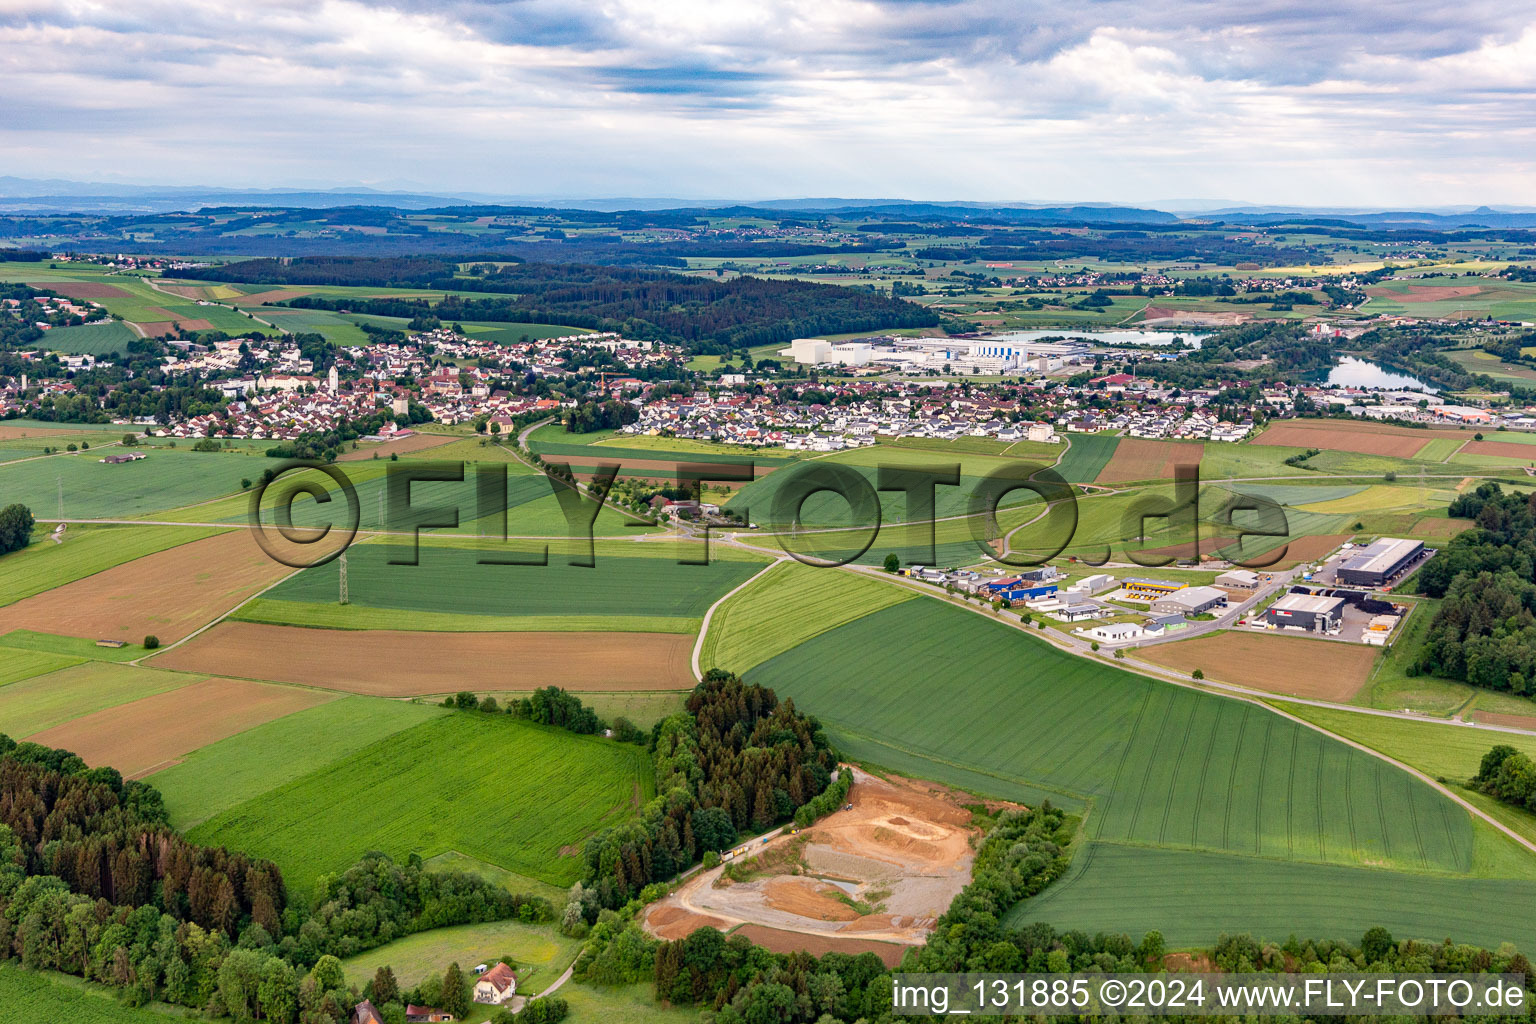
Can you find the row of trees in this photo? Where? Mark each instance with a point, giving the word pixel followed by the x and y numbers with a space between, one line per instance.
pixel 736 760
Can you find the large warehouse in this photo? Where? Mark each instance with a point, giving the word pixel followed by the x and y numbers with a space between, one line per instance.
pixel 1377 563
pixel 1311 612
pixel 1190 601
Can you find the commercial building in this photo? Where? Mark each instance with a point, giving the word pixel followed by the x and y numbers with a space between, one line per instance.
pixel 1238 578
pixel 1149 589
pixel 1310 612
pixel 1190 601
pixel 1114 632
pixel 1095 584
pixel 1379 562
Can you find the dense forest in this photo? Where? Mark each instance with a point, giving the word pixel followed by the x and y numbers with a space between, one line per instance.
pixel 95 883
pixel 706 315
pixel 1484 631
pixel 737 760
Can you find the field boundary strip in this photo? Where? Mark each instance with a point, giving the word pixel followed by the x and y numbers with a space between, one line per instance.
pixel 709 613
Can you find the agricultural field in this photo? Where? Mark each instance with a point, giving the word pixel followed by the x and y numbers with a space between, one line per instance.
pixel 36 997
pixel 788 605
pixel 230 772
pixel 396 663
pixel 84 551
pixel 40 702
pixel 512 794
pixel 1115 888
pixel 91 339
pixel 625 582
pixel 1300 667
pixel 168 594
pixel 78 486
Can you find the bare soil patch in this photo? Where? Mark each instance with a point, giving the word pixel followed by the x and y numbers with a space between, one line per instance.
pixel 1302 549
pixel 1137 458
pixel 154 732
pixel 169 593
pixel 10 433
pixel 1495 718
pixel 399 663
pixel 780 941
pixel 1503 449
pixel 83 289
pixel 157 328
pixel 1346 439
pixel 676 923
pixel 1292 665
pixel 883 870
pixel 1427 292
pixel 274 295
pixel 414 443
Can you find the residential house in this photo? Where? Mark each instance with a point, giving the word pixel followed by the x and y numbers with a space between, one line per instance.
pixel 496 985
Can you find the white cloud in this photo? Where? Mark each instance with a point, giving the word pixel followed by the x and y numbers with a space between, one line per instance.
pixel 1276 101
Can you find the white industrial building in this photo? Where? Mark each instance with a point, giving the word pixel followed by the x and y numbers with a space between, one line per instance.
pixel 1190 601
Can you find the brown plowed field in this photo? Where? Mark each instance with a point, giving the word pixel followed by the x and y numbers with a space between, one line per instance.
pixel 83 289
pixel 414 443
pixel 397 663
pixel 1137 458
pixel 8 433
pixel 1503 449
pixel 1301 549
pixel 1440 527
pixel 1514 721
pixel 1292 665
pixel 170 593
pixel 159 327
pixel 1345 439
pixel 273 295
pixel 157 731
pixel 1426 292
pixel 780 941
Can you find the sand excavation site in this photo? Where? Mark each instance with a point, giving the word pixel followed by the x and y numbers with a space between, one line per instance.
pixel 858 879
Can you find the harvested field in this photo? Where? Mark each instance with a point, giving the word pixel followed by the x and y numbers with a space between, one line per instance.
pixel 1136 458
pixel 274 295
pixel 1426 292
pixel 11 433
pixel 155 732
pixel 1431 527
pixel 1513 721
pixel 83 289
pixel 1345 439
pixel 1503 449
pixel 157 328
pixel 396 663
pixel 1308 549
pixel 170 593
pixel 780 941
pixel 185 323
pixel 1293 665
pixel 414 443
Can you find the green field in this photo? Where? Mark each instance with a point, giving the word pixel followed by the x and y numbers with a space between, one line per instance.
pixel 357 616
pixel 36 997
pixel 41 702
pixel 1435 748
pixel 22 664
pixel 788 605
pixel 449 580
pixel 90 339
pixel 1165 766
pixel 506 792
pixel 1193 897
pixel 1087 456
pixel 222 775
pixel 540 952
pixel 86 550
pixel 93 490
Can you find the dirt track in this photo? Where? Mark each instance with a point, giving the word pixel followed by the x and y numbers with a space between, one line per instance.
pixel 397 663
pixel 169 593
pixel 157 731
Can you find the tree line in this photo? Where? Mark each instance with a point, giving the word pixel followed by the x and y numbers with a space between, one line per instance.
pixel 1507 775
pixel 736 760
pixel 1484 631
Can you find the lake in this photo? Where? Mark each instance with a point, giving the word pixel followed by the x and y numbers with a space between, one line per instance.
pixel 1360 373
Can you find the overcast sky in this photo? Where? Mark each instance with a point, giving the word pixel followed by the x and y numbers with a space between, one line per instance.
pixel 1320 102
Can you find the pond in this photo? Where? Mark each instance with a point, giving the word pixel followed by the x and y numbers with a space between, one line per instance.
pixel 1362 373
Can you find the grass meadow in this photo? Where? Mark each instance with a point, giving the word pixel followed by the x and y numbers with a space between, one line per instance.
pixel 516 795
